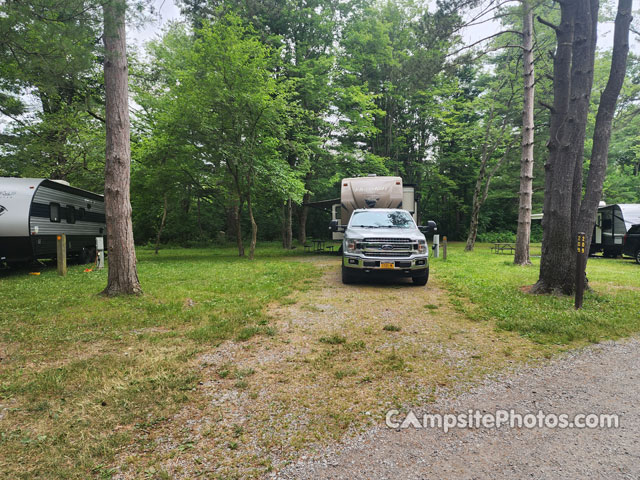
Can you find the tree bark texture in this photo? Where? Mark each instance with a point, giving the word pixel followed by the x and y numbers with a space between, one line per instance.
pixel 123 275
pixel 523 236
pixel 558 257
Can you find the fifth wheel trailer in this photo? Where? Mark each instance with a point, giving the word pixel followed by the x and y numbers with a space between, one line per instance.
pixel 34 211
pixel 372 192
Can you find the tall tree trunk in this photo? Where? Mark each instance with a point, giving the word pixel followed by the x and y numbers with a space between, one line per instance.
pixel 557 252
pixel 480 194
pixel 123 276
pixel 523 236
pixel 254 228
pixel 604 119
pixel 237 217
pixel 162 222
pixel 475 212
pixel 302 223
pixel 287 234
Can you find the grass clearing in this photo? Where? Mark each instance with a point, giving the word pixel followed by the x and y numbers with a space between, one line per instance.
pixel 489 287
pixel 227 368
pixel 82 376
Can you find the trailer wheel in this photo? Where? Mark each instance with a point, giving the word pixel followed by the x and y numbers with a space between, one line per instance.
pixel 421 279
pixel 348 275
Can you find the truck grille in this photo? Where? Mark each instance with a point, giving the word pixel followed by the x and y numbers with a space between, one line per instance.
pixel 387 247
pixel 387 240
pixel 368 253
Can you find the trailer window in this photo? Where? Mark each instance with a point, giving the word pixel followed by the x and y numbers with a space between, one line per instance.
pixel 54 212
pixel 81 213
pixel 71 214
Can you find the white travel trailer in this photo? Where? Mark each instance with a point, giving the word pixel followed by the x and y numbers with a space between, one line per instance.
pixel 612 223
pixel 34 211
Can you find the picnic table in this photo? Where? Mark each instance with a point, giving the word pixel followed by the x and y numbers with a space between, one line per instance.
pixel 318 246
pixel 503 247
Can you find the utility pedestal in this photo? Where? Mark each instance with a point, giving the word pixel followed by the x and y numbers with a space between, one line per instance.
pixel 100 252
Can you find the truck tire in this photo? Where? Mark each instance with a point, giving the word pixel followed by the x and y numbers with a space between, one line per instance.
pixel 421 279
pixel 348 275
pixel 638 256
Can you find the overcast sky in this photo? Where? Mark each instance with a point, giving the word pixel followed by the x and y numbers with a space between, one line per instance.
pixel 167 11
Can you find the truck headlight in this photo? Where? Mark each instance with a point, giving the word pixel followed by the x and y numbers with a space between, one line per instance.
pixel 350 245
pixel 422 246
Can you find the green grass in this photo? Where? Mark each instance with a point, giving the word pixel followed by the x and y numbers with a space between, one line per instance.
pixel 76 367
pixel 83 377
pixel 487 287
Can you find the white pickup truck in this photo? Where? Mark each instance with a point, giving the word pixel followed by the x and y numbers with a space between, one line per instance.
pixel 384 241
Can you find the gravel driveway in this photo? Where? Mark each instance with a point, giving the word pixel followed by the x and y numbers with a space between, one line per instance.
pixel 601 379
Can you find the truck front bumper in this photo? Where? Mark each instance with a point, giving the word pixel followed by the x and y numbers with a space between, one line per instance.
pixel 409 266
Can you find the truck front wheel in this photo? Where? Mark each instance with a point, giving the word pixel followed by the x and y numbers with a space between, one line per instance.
pixel 421 279
pixel 348 275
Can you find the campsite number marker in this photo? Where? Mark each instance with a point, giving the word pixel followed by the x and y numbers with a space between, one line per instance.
pixel 580 268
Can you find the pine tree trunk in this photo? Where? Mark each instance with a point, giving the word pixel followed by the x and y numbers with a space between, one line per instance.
pixel 162 223
pixel 523 236
pixel 123 276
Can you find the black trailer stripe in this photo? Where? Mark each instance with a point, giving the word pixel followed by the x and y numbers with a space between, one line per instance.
pixel 41 210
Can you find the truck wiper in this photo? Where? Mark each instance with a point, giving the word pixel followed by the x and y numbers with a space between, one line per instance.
pixel 366 226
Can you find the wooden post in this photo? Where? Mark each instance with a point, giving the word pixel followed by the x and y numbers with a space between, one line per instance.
pixel 444 248
pixel 61 254
pixel 581 265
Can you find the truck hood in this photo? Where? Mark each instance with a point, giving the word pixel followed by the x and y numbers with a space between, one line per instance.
pixel 360 233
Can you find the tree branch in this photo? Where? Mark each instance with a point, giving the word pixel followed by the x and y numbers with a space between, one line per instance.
pixel 548 24
pixel 482 40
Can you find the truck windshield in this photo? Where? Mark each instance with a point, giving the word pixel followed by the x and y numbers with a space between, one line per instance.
pixel 382 219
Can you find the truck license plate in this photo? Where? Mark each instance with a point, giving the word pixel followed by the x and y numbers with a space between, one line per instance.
pixel 386 265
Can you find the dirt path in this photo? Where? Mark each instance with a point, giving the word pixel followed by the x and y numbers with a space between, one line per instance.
pixel 329 364
pixel 599 379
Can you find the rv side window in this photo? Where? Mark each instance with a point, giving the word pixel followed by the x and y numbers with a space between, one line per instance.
pixel 71 214
pixel 80 215
pixel 54 212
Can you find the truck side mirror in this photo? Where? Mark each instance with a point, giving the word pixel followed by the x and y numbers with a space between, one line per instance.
pixel 335 226
pixel 429 228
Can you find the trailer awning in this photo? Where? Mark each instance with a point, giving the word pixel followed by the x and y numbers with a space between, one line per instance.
pixel 323 204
